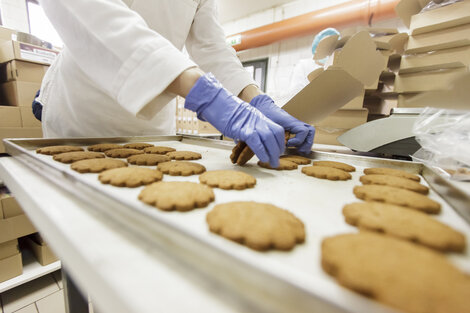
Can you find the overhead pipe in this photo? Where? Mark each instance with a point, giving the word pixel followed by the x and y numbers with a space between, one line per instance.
pixel 355 12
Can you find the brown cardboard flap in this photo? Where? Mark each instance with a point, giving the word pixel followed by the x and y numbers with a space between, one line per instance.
pixel 344 119
pixel 328 136
pixel 444 39
pixel 11 267
pixel 405 9
pixel 15 227
pixel 326 46
pixel 314 74
pixel 427 81
pixel 394 42
pixel 355 103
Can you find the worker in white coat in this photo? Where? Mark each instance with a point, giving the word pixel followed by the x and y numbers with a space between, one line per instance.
pixel 122 65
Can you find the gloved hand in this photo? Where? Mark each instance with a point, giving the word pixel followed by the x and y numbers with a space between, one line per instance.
pixel 304 133
pixel 236 119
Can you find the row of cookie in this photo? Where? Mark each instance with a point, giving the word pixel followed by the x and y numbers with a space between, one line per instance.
pixel 394 257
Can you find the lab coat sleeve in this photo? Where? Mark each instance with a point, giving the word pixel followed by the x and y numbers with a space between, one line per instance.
pixel 207 47
pixel 118 51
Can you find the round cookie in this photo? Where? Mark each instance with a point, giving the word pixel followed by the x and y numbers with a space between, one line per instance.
pixel 102 147
pixel 395 272
pixel 260 226
pixel 96 165
pixel 297 159
pixel 184 155
pixel 405 224
pixel 122 153
pixel 130 176
pixel 70 157
pixel 181 168
pixel 323 172
pixel 159 150
pixel 392 172
pixel 339 165
pixel 228 179
pixel 137 145
pixel 283 165
pixel 397 196
pixel 394 181
pixel 51 150
pixel 180 196
pixel 147 159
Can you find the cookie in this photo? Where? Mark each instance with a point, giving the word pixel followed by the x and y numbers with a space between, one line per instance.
pixel 395 272
pixel 96 165
pixel 147 159
pixel 180 196
pixel 392 172
pixel 184 155
pixel 241 153
pixel 397 196
pixel 130 176
pixel 181 168
pixel 404 224
pixel 323 172
pixel 70 157
pixel 51 150
pixel 122 153
pixel 260 226
pixel 297 159
pixel 339 165
pixel 137 145
pixel 159 150
pixel 283 165
pixel 102 147
pixel 228 179
pixel 394 181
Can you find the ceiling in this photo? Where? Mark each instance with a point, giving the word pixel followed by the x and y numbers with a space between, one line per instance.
pixel 234 9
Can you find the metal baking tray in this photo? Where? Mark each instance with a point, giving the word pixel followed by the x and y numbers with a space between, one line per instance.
pixel 257 281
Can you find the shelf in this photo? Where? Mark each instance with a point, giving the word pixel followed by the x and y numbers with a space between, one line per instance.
pixel 31 270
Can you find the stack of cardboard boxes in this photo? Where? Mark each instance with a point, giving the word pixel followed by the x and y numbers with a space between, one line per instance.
pixel 22 67
pixel 438 50
pixel 188 123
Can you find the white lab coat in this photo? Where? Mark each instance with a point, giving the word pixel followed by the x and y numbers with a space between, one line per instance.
pixel 119 58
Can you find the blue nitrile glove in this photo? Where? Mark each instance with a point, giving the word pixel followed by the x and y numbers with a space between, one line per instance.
pixel 236 119
pixel 304 133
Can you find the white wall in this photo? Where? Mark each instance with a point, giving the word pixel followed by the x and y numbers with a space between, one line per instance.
pixel 14 15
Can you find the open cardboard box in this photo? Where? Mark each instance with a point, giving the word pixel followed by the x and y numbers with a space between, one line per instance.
pixel 358 64
pixel 42 252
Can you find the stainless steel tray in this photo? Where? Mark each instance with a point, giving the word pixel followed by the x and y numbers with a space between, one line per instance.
pixel 260 282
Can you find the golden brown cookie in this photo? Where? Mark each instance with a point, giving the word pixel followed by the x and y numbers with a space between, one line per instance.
pixel 397 196
pixel 323 172
pixel 159 150
pixel 260 226
pixel 180 196
pixel 181 168
pixel 96 165
pixel 130 176
pixel 241 153
pixel 147 159
pixel 339 165
pixel 405 224
pixel 102 147
pixel 283 165
pixel 394 181
pixel 228 179
pixel 398 273
pixel 392 172
pixel 297 159
pixel 122 153
pixel 70 157
pixel 137 145
pixel 184 155
pixel 51 150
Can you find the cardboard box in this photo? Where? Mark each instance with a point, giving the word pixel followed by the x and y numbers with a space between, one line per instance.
pixel 10 207
pixel 359 63
pixel 355 103
pixel 10 116
pixel 344 119
pixel 205 128
pixel 16 132
pixel 7 34
pixel 395 42
pixel 444 39
pixel 19 93
pixel 441 59
pixel 27 117
pixel 43 253
pixel 11 267
pixel 405 9
pixel 427 81
pixel 11 50
pixel 328 136
pixel 8 249
pixel 22 71
pixel 15 227
pixel 380 106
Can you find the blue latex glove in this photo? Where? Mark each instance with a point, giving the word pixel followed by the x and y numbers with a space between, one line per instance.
pixel 236 119
pixel 304 133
